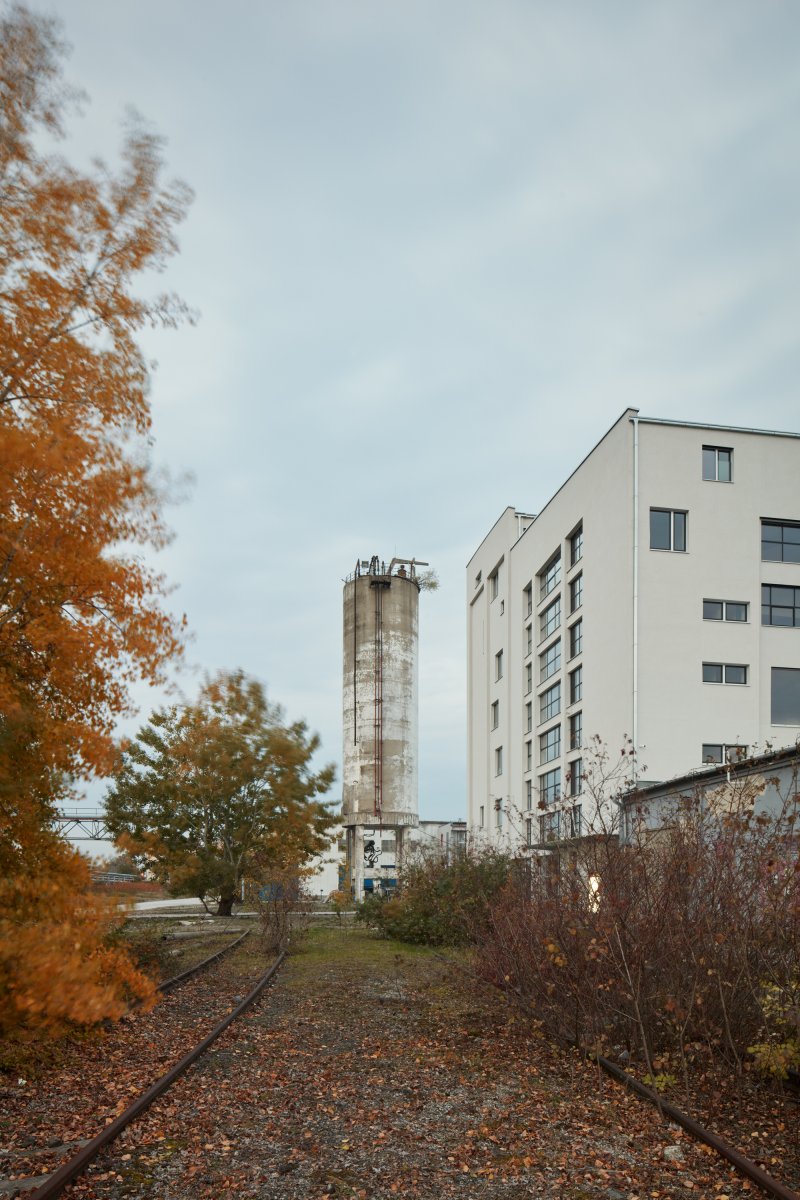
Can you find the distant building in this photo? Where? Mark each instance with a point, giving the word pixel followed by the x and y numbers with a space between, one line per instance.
pixel 655 597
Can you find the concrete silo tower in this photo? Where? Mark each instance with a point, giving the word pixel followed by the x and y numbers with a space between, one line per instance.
pixel 380 786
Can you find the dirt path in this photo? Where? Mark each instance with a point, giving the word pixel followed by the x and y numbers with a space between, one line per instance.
pixel 364 1073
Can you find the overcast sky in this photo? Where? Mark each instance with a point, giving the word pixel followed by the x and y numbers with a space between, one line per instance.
pixel 437 249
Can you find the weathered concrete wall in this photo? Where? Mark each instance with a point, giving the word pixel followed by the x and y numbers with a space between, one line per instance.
pixel 398 598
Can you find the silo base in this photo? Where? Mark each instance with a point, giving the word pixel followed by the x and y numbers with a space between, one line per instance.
pixel 355 848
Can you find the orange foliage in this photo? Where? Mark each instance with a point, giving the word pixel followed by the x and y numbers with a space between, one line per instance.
pixel 81 614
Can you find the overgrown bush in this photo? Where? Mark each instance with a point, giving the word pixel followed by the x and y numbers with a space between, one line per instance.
pixel 685 940
pixel 440 904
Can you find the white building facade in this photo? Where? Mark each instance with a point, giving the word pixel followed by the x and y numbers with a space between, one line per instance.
pixel 653 603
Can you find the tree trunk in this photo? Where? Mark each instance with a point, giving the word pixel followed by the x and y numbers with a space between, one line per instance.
pixel 225 906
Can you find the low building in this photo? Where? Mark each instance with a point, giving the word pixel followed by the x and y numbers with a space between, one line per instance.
pixel 766 784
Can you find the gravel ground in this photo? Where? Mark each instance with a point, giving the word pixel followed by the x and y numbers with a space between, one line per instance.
pixel 364 1072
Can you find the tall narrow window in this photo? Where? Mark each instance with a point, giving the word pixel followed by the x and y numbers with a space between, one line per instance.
pixel 498 761
pixel 550 744
pixel 495 714
pixel 550 661
pixel 481 816
pixel 529 679
pixel 718 464
pixel 576 685
pixel 576 593
pixel 529 832
pixel 576 546
pixel 576 639
pixel 529 716
pixel 528 754
pixel 529 794
pixel 576 777
pixel 576 731
pixel 494 584
pixel 549 576
pixel 498 665
pixel 528 639
pixel 527 600
pixel 667 529
pixel 550 619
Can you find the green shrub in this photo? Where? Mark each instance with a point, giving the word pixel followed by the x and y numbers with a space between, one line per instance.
pixel 440 904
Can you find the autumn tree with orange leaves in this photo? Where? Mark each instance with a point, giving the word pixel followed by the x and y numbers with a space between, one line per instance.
pixel 81 613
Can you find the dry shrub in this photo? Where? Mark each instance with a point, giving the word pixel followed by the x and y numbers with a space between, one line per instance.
pixel 685 940
pixel 283 909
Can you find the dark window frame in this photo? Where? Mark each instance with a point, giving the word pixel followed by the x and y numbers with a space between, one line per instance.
pixel 783 541
pixel 790 604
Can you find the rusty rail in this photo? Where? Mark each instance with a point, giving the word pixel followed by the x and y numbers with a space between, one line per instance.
pixel 80 1161
pixel 167 985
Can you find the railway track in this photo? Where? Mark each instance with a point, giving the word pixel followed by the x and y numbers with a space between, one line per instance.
pixel 36 1166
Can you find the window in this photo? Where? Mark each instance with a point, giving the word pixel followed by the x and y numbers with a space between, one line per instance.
pixel 667 529
pixel 780 605
pixel 576 731
pixel 550 744
pixel 576 639
pixel 716 752
pixel 550 703
pixel 498 761
pixel 498 665
pixel 498 814
pixel 550 786
pixel 575 821
pixel 481 817
pixel 527 600
pixel 502 607
pixel 718 463
pixel 550 661
pixel 478 578
pixel 529 679
pixel 549 576
pixel 550 619
pixel 494 584
pixel 724 610
pixel 495 714
pixel 576 593
pixel 724 673
pixel 529 833
pixel 529 716
pixel 785 696
pixel 576 546
pixel 576 685
pixel 529 794
pixel 780 542
pixel 528 755
pixel 528 638
pixel 549 826
pixel 576 777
